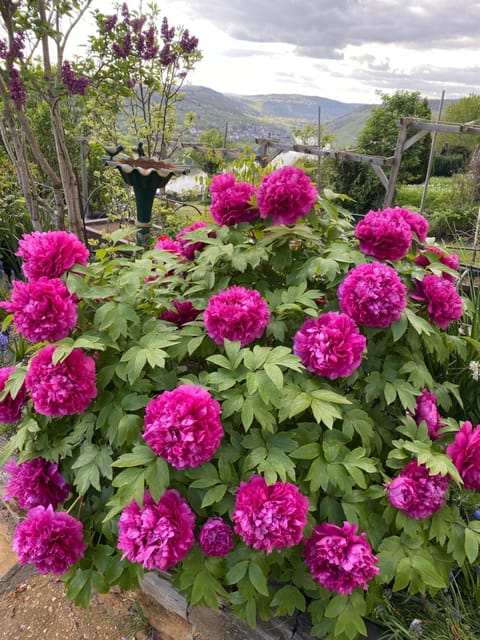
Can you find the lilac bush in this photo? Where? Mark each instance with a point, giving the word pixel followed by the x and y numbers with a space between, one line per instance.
pixel 260 406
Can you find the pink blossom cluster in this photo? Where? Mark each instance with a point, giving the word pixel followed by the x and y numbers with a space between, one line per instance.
pixel 416 492
pixel 42 309
pixel 330 346
pixel 373 295
pixel 216 537
pixel 183 426
pixel 64 388
pixel 183 312
pixel 50 253
pixel 190 246
pixel 158 534
pixel 167 244
pixel 286 195
pixel 465 454
pixel 10 408
pixel 388 234
pixel 236 314
pixel 444 305
pixel 271 516
pixel 340 559
pixel 34 483
pixel 424 259
pixel 231 200
pixel 51 541
pixel 426 411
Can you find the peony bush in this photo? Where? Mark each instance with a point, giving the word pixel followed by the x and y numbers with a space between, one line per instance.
pixel 261 406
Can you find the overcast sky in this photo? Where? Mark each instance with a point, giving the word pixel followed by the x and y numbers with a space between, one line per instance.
pixel 341 49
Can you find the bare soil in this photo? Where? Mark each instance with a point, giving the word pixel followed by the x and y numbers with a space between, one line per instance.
pixel 34 606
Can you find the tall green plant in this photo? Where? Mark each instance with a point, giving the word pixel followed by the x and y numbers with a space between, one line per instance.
pixel 317 441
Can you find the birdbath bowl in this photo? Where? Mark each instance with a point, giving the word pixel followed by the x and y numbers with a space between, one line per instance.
pixel 145 175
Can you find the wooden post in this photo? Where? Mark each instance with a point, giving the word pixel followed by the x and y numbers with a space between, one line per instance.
pixel 432 153
pixel 392 180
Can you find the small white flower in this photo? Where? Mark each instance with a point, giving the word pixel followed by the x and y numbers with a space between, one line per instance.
pixel 415 626
pixel 474 367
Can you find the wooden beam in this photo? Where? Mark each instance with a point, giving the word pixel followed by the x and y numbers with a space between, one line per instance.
pixel 418 123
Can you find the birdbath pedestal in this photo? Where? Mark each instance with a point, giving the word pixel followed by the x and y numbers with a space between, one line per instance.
pixel 145 175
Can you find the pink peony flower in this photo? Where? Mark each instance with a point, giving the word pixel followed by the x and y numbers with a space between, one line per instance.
pixel 158 534
pixel 339 559
pixel 183 426
pixel 417 222
pixel 167 244
pixel 426 411
pixel 216 538
pixel 386 234
pixel 286 195
pixel 10 408
pixel 465 453
pixel 416 492
pixel 269 517
pixel 184 312
pixel 444 305
pixel 330 346
pixel 51 541
pixel 189 246
pixel 231 200
pixel 50 253
pixel 236 314
pixel 64 388
pixel 448 259
pixel 373 295
pixel 42 309
pixel 35 483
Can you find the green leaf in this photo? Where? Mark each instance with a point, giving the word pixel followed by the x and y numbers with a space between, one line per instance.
pixel 214 495
pixel 140 455
pixel 307 451
pixel 275 374
pixel 472 540
pixel 79 588
pixel 257 578
pixel 336 606
pixel 157 477
pixel 236 573
pixel 287 600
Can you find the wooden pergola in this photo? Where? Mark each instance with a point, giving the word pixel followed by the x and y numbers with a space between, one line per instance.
pixel 269 149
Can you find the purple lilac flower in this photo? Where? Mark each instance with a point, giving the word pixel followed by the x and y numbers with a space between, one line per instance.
pixel 17 89
pixel 76 85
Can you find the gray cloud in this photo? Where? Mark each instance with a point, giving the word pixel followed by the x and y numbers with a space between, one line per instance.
pixel 323 28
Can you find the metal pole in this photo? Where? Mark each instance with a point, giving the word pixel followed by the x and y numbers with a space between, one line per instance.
pixel 319 161
pixel 432 153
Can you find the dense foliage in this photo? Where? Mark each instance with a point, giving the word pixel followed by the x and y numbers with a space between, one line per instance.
pixel 266 412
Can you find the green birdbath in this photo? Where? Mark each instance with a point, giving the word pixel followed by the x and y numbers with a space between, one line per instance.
pixel 146 176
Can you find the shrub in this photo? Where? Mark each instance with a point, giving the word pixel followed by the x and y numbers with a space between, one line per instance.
pixel 296 489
